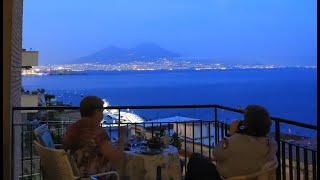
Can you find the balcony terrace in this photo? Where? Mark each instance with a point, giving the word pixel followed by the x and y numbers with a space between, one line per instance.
pixel 296 160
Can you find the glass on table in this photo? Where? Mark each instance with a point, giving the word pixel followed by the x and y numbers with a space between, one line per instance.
pixel 123 134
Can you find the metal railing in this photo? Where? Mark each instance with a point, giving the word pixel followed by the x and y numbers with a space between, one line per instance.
pixel 295 161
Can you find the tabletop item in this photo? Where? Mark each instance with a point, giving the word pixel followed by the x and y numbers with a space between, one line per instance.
pixel 140 166
pixel 149 151
pixel 176 141
pixel 166 141
pixel 154 143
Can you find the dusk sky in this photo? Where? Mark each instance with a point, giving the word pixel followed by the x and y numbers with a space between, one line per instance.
pixel 229 31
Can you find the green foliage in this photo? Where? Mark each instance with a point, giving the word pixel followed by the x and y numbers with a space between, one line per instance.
pixel 57 136
pixel 41 90
pixel 162 133
pixel 48 98
pixel 34 92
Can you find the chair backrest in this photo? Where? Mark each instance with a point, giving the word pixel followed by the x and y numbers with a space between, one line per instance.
pixel 55 163
pixel 268 172
pixel 44 136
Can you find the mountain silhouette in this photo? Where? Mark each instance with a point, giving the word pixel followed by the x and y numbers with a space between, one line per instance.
pixel 113 54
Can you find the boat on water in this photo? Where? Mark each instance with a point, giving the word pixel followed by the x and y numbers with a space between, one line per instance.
pixel 111 117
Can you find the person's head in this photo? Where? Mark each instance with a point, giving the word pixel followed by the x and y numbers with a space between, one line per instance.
pixel 92 107
pixel 257 120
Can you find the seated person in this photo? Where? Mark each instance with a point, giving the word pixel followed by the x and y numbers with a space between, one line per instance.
pixel 200 167
pixel 89 143
pixel 246 151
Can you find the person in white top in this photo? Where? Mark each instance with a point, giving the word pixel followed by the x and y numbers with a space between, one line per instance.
pixel 247 149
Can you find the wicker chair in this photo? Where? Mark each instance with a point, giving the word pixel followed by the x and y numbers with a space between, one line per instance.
pixel 268 172
pixel 56 165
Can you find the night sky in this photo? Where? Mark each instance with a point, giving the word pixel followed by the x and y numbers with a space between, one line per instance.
pixel 229 31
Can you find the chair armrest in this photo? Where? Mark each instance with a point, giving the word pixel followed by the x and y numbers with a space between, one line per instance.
pixel 58 146
pixel 105 173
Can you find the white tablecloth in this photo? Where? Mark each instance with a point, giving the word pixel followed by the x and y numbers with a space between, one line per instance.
pixel 144 167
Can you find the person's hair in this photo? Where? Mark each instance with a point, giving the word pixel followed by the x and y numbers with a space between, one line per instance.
pixel 89 104
pixel 257 120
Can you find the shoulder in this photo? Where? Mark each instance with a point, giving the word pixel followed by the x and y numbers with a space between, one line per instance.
pixel 224 144
pixel 100 130
pixel 271 142
pixel 84 123
pixel 72 128
pixel 76 125
pixel 237 141
pixel 243 137
pixel 237 137
pixel 76 128
pixel 101 133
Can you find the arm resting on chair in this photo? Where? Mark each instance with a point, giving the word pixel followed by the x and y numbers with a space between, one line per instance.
pixel 58 146
pixel 105 173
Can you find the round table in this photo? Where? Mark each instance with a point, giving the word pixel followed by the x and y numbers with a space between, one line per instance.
pixel 138 166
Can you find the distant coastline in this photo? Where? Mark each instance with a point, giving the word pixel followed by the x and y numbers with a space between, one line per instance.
pixel 160 65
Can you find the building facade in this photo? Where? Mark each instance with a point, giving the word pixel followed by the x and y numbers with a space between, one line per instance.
pixel 12 55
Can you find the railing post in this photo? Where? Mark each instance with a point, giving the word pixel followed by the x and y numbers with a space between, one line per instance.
pixel 290 162
pixel 135 129
pixel 314 164
pixel 30 152
pixel 177 128
pixel 201 149
pixel 158 173
pixel 298 162
pixel 209 129
pixel 151 129
pixel 277 136
pixel 185 145
pixel 305 163
pixel 216 125
pixel 128 130
pixel 193 137
pixel 119 118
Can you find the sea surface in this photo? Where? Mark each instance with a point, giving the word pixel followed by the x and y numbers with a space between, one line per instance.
pixel 289 93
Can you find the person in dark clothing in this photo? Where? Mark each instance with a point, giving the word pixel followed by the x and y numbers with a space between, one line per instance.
pixel 200 167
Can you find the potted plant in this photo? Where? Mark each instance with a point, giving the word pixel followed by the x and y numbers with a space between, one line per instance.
pixel 176 141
